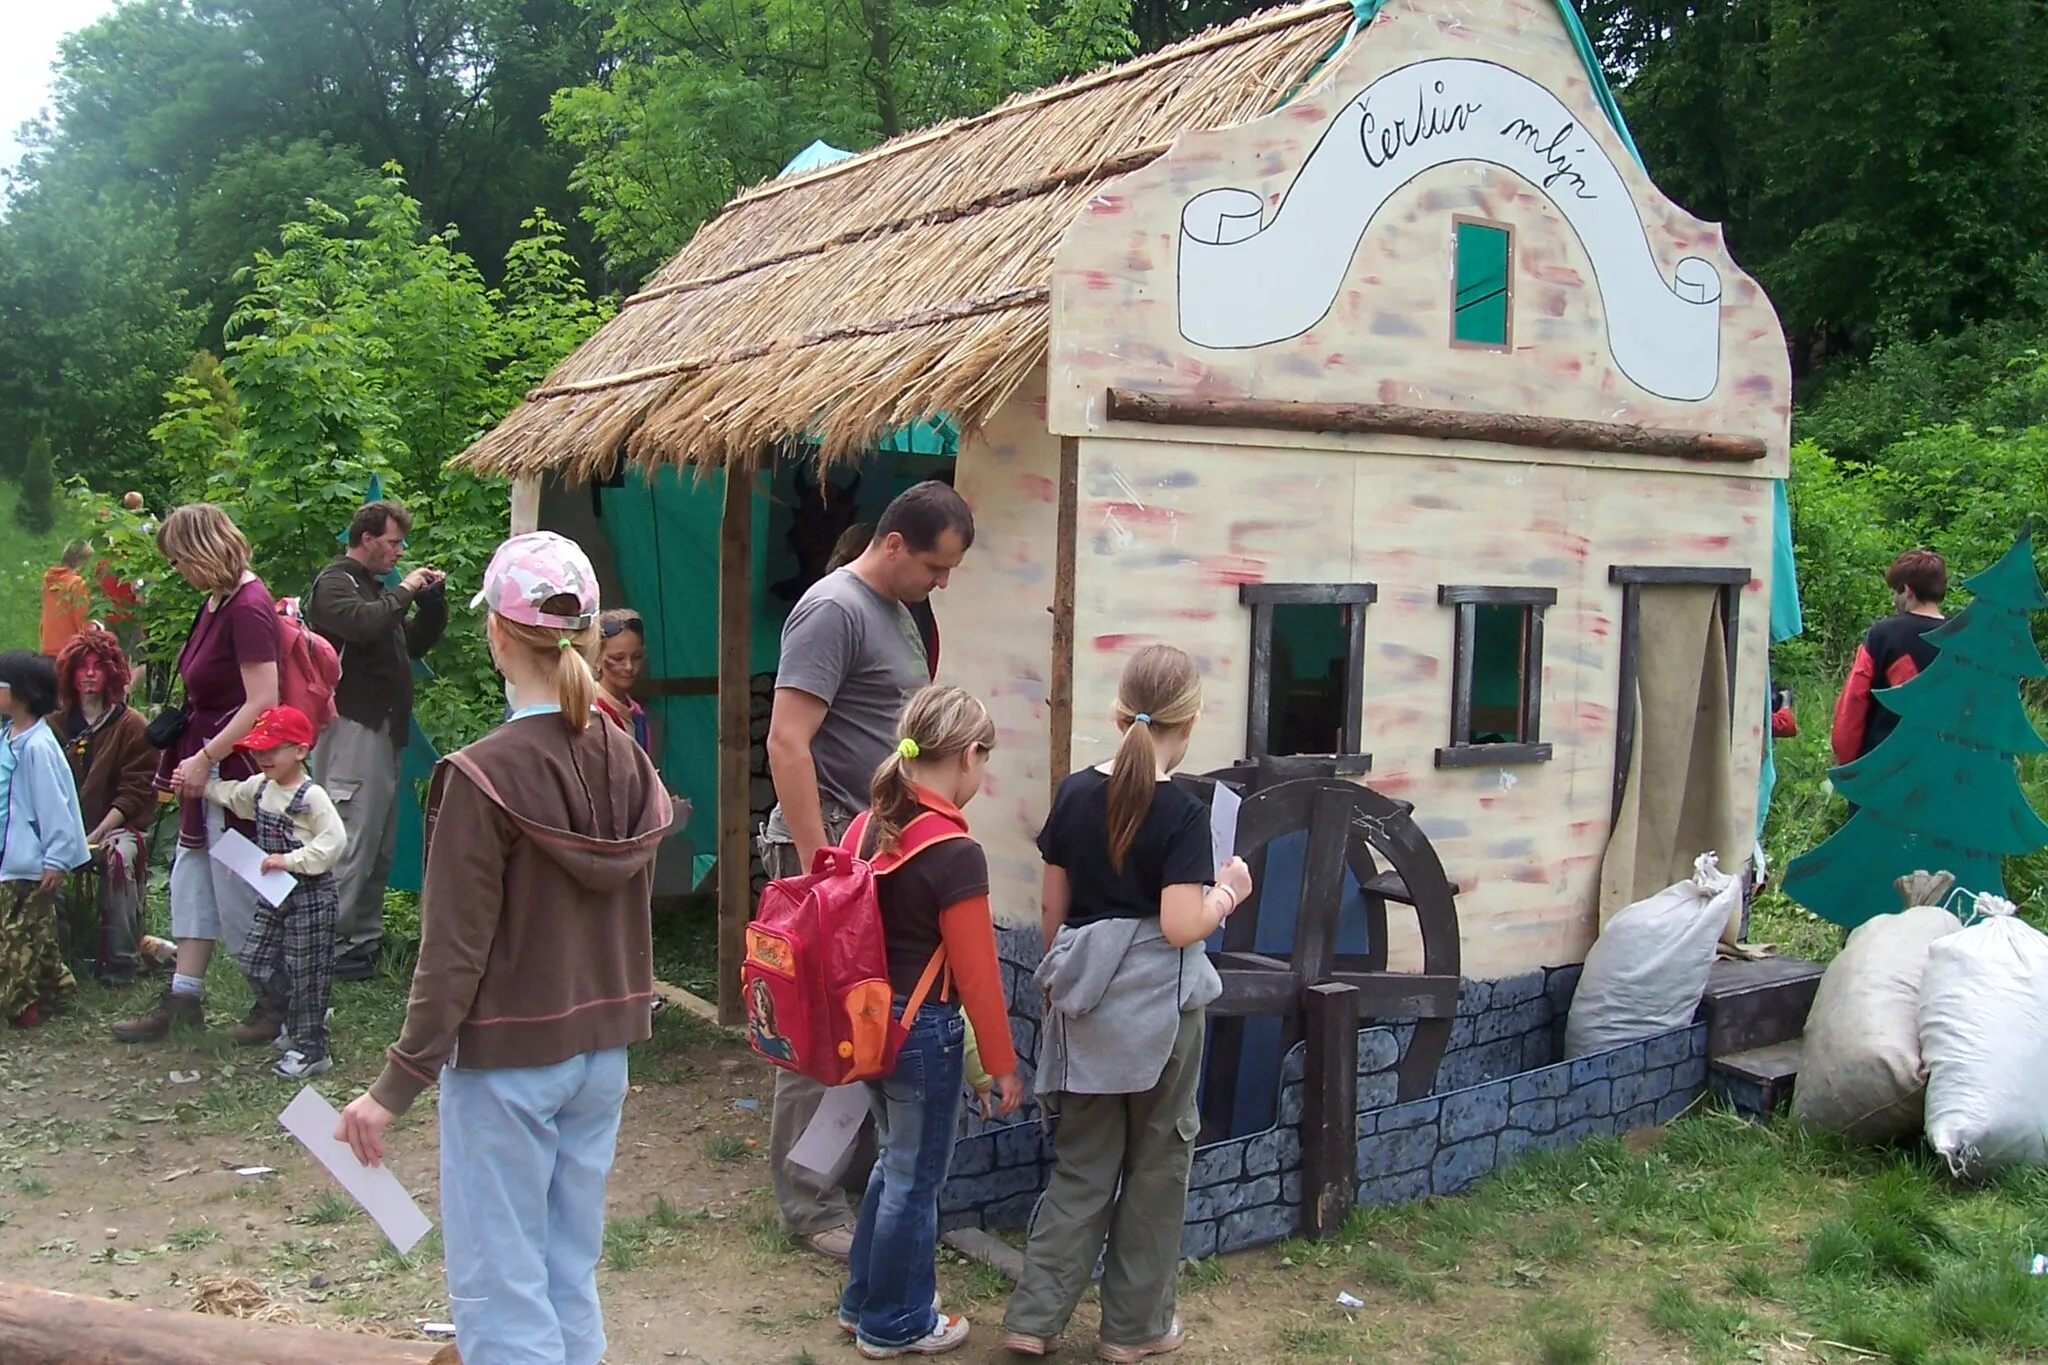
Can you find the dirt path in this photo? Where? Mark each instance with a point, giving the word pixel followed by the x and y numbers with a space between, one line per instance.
pixel 119 1176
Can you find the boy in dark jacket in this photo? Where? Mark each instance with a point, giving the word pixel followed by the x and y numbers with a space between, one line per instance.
pixel 113 764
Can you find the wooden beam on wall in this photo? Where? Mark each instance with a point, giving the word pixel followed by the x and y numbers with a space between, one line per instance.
pixel 735 746
pixel 1329 1109
pixel 1435 424
pixel 45 1327
pixel 1060 693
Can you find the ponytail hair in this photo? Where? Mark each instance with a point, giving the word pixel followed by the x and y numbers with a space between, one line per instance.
pixel 1161 689
pixel 940 721
pixel 566 654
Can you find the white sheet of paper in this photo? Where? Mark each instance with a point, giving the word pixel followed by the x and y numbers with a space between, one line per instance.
pixel 833 1128
pixel 1223 823
pixel 312 1120
pixel 233 850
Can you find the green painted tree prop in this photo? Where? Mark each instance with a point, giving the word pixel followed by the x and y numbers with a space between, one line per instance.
pixel 1942 791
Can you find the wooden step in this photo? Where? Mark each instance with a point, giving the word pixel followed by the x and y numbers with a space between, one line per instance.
pixel 1752 1005
pixel 1757 1082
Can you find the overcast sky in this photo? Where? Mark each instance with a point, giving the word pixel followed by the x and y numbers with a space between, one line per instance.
pixel 31 30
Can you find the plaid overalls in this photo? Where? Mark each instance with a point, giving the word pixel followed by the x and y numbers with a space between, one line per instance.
pixel 299 933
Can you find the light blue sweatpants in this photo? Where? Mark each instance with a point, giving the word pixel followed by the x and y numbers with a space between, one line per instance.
pixel 524 1157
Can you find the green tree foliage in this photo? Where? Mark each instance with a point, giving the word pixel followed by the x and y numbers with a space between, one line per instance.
pixel 703 96
pixel 1880 167
pixel 36 508
pixel 1942 791
pixel 365 346
pixel 92 322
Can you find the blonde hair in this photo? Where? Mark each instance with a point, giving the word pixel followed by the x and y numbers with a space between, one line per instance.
pixel 206 541
pixel 568 652
pixel 941 721
pixel 1161 689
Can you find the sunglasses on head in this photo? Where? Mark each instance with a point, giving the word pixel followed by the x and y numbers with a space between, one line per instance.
pixel 611 628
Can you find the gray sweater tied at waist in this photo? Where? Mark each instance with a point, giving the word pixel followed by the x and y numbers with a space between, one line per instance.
pixel 1115 992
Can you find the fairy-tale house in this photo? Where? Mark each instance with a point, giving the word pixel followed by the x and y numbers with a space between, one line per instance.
pixel 1351 350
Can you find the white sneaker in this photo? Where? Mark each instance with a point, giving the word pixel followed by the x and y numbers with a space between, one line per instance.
pixel 293 1066
pixel 283 1041
pixel 949 1335
pixel 852 1328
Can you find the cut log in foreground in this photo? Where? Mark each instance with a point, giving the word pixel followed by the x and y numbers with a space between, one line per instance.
pixel 44 1327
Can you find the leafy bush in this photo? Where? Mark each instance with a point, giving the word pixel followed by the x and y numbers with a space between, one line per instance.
pixel 362 348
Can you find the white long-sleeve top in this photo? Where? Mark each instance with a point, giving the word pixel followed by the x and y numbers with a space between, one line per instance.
pixel 322 837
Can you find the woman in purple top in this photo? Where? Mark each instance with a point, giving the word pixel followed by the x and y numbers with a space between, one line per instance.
pixel 229 668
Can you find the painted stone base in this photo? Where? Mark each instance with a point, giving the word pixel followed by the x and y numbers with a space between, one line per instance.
pixel 1502 1091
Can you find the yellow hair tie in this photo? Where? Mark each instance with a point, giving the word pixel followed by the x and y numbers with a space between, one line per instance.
pixel 907 748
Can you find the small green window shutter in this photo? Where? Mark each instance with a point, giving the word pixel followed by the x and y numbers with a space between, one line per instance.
pixel 1480 310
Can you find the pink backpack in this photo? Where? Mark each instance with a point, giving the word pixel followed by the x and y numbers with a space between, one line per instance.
pixel 816 973
pixel 307 666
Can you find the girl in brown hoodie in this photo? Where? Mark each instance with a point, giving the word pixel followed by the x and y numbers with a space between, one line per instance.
pixel 535 973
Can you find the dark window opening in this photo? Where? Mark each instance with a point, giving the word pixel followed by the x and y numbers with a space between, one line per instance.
pixel 1308 670
pixel 1482 291
pixel 1496 676
pixel 1500 679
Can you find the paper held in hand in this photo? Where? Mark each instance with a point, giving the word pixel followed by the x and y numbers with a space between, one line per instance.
pixel 312 1120
pixel 1223 823
pixel 232 850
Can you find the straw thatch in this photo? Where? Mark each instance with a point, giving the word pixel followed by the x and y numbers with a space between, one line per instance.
pixel 909 281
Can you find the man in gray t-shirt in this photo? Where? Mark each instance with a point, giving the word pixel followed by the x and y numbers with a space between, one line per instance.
pixel 851 657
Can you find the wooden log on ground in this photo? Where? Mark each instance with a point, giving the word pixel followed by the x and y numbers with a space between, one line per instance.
pixel 47 1327
pixel 1435 424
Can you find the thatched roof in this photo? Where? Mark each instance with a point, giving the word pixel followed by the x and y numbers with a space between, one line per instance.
pixel 907 281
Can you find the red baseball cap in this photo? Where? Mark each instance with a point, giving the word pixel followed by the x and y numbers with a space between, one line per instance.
pixel 275 728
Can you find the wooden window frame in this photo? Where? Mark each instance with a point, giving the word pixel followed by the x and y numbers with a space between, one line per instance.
pixel 1352 761
pixel 1507 342
pixel 1467 599
pixel 1632 579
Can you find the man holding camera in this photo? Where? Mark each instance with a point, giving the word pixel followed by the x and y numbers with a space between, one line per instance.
pixel 378 631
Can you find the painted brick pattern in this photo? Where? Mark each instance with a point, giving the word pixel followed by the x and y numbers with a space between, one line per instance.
pixel 1502 1091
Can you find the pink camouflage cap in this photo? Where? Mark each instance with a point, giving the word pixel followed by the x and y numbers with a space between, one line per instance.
pixel 527 570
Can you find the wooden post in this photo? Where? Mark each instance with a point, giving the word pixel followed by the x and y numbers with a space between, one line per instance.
pixel 44 1327
pixel 1060 690
pixel 1329 1111
pixel 735 743
pixel 525 504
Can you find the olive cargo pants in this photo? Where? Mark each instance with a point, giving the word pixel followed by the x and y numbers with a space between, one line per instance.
pixel 1122 1174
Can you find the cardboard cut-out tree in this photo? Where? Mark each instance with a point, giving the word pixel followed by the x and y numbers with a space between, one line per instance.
pixel 1941 792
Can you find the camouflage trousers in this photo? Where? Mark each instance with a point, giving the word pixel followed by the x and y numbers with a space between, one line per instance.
pixel 31 963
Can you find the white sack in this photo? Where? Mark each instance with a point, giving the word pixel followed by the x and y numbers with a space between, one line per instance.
pixel 1984 1039
pixel 1860 1074
pixel 1647 971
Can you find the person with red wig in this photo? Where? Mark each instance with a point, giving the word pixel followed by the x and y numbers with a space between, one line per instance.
pixel 113 764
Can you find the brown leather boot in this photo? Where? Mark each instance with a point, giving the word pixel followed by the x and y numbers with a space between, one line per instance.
pixel 257 1030
pixel 156 1024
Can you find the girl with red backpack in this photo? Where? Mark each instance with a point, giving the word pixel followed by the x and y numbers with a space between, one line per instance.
pixel 935 912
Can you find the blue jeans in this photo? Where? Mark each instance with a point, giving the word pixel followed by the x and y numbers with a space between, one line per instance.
pixel 525 1152
pixel 890 1278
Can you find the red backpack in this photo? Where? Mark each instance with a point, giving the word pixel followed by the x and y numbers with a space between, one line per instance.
pixel 307 666
pixel 816 974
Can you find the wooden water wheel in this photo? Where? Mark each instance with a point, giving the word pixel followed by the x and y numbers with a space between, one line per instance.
pixel 1319 993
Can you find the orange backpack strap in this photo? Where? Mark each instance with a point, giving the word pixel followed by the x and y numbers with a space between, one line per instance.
pixel 930 827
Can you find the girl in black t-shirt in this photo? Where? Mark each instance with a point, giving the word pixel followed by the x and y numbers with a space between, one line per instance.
pixel 1127 896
